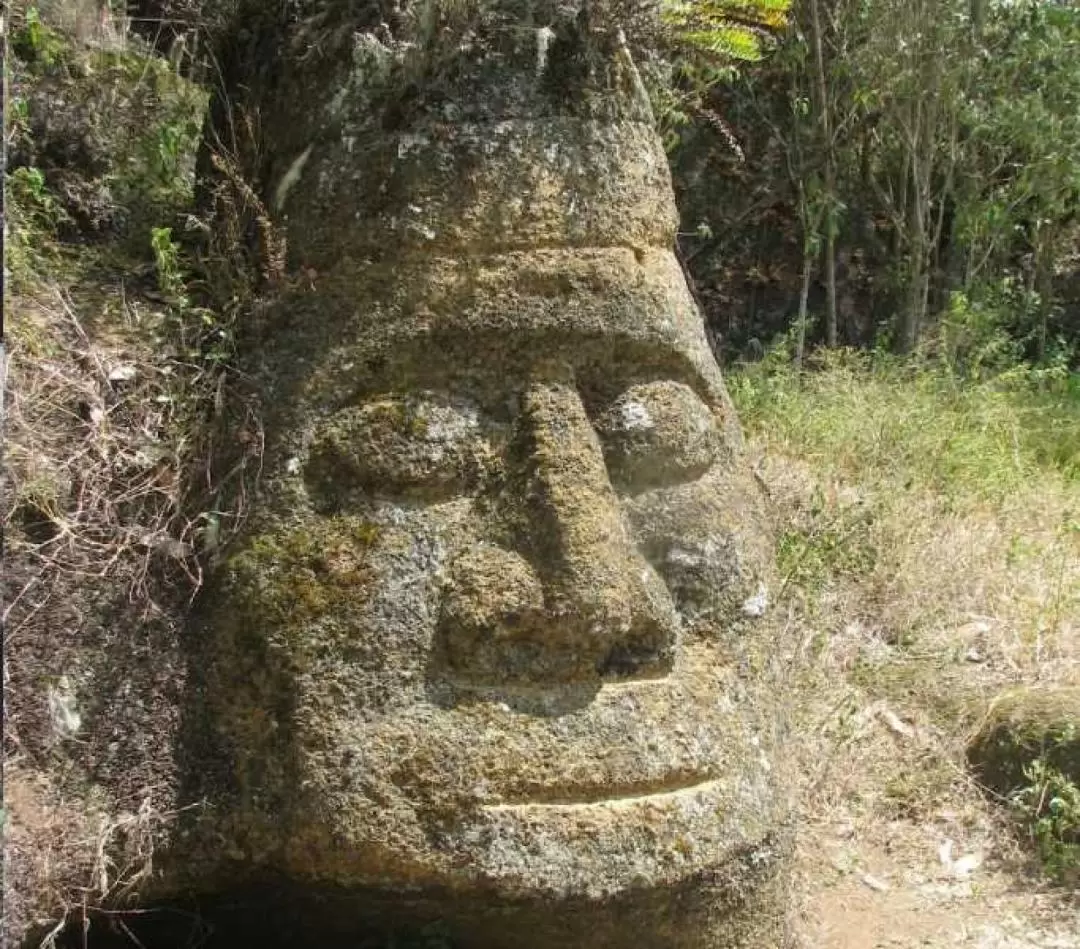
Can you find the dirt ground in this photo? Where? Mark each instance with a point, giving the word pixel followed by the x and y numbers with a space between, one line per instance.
pixel 953 879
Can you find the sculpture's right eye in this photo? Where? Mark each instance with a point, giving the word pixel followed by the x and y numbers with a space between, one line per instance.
pixel 658 434
pixel 426 448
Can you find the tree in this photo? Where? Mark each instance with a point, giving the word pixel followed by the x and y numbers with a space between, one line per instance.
pixel 1021 187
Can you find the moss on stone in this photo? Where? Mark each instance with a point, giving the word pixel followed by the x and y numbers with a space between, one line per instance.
pixel 304 573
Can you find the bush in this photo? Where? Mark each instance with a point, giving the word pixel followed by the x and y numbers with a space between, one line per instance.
pixel 1049 807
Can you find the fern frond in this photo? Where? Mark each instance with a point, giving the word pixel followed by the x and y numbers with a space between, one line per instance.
pixel 740 30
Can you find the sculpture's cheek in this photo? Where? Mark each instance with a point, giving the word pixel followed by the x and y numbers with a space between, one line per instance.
pixel 701 573
pixel 342 613
pixel 705 541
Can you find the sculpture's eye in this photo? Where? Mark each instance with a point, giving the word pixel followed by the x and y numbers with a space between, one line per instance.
pixel 656 434
pixel 429 448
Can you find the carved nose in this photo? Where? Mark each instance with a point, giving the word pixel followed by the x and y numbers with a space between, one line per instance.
pixel 575 596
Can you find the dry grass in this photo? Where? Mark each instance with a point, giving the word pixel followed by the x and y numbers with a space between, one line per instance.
pixel 131 444
pixel 928 538
pixel 79 857
pixel 110 500
pixel 106 460
pixel 130 447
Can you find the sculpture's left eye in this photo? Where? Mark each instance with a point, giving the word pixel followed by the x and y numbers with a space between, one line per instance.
pixel 427 448
pixel 657 434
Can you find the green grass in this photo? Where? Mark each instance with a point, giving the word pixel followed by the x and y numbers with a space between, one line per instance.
pixel 910 470
pixel 915 424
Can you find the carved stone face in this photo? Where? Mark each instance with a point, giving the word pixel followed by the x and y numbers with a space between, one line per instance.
pixel 498 628
pixel 495 626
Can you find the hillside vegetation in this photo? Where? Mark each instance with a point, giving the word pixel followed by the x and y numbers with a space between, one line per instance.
pixel 926 506
pixel 928 525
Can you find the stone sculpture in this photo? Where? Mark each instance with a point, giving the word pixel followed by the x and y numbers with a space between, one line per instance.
pixel 491 649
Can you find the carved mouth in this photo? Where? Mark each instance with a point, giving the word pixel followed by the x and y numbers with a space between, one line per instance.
pixel 666 790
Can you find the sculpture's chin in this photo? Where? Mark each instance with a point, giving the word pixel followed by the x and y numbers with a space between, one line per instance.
pixel 725 899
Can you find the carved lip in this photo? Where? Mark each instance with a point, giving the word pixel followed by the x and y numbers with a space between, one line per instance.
pixel 666 790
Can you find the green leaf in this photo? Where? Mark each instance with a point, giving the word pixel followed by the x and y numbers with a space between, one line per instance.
pixel 733 29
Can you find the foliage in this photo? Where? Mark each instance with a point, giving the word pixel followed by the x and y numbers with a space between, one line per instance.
pixel 1023 121
pixel 203 335
pixel 38 206
pixel 119 398
pixel 738 30
pixel 709 40
pixel 927 538
pixel 171 145
pixel 936 142
pixel 167 260
pixel 34 216
pixel 108 132
pixel 917 422
pixel 829 540
pixel 1049 807
pixel 903 452
pixel 37 43
pixel 979 336
pixel 154 165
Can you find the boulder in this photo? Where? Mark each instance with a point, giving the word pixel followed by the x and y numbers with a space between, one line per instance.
pixel 483 654
pixel 1023 725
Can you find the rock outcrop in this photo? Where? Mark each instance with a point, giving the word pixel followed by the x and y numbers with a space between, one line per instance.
pixel 1021 726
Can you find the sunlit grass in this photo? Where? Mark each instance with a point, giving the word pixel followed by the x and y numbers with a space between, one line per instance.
pixel 928 536
pixel 917 425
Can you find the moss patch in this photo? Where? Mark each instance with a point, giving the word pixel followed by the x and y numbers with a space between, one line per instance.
pixel 302 574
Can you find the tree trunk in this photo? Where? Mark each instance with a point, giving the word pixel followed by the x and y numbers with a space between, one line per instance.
pixel 1044 287
pixel 830 175
pixel 920 163
pixel 831 331
pixel 804 296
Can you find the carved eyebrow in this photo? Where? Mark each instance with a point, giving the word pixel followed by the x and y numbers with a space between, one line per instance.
pixel 441 360
pixel 683 370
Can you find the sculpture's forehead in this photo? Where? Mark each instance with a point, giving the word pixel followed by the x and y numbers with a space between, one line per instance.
pixel 612 310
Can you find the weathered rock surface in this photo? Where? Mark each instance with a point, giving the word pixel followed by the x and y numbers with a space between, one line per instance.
pixel 483 655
